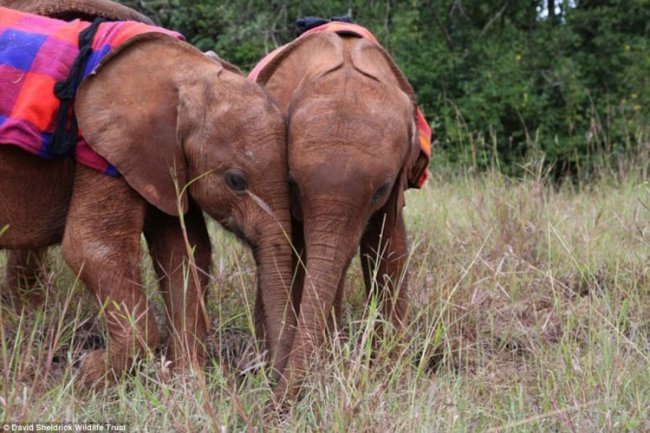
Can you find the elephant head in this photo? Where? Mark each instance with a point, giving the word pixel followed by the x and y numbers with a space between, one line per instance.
pixel 182 127
pixel 352 143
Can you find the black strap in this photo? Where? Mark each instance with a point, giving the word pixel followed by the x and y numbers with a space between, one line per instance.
pixel 63 143
pixel 307 23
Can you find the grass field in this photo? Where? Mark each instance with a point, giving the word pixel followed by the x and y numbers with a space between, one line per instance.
pixel 530 313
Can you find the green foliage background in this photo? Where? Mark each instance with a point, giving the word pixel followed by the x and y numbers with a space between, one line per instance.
pixel 505 83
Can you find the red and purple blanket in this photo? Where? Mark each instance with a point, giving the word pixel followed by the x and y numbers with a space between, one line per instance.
pixel 35 53
pixel 362 32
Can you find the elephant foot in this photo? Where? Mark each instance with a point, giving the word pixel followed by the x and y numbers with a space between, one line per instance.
pixel 94 370
pixel 237 350
pixel 22 301
pixel 97 370
pixel 276 411
pixel 185 355
pixel 186 363
pixel 33 300
pixel 11 299
pixel 285 394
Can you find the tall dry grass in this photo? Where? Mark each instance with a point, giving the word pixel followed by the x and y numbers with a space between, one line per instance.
pixel 530 312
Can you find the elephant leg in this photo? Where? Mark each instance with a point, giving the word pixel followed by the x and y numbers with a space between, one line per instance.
pixel 183 295
pixel 299 269
pixel 25 270
pixel 34 199
pixel 101 243
pixel 384 252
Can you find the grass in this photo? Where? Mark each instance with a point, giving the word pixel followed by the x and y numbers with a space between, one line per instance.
pixel 530 312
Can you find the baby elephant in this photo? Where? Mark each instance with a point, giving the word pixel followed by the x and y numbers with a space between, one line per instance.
pixel 356 142
pixel 167 132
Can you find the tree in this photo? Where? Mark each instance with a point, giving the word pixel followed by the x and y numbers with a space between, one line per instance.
pixel 500 82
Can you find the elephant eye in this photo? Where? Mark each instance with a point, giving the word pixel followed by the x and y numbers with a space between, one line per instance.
pixel 381 192
pixel 235 180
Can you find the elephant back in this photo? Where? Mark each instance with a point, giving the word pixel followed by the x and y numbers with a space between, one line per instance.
pixel 86 10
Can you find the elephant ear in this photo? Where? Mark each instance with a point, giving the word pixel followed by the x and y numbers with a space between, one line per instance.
pixel 373 61
pixel 301 61
pixel 132 111
pixel 82 9
pixel 396 200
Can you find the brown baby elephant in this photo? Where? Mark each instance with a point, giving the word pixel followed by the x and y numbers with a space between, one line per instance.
pixel 354 147
pixel 185 133
pixel 26 269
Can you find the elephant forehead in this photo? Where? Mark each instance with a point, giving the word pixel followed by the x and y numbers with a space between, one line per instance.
pixel 245 123
pixel 333 168
pixel 339 126
pixel 330 187
pixel 346 94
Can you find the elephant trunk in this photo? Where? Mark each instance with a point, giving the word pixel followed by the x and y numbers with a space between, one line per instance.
pixel 328 256
pixel 274 315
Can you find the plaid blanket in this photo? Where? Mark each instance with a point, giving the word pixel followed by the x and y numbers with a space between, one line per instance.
pixel 362 32
pixel 35 53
